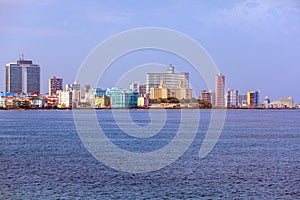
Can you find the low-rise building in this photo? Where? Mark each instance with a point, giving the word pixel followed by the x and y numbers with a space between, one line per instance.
pixel 122 98
pixel 287 102
pixel 143 102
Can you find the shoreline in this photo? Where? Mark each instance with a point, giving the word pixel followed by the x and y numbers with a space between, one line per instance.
pixel 149 109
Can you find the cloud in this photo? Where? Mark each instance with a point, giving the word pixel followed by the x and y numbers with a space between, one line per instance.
pixel 262 15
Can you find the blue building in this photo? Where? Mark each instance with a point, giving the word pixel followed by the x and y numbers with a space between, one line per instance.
pixel 6 94
pixel 122 98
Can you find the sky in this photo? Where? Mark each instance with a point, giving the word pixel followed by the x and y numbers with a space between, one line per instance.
pixel 255 44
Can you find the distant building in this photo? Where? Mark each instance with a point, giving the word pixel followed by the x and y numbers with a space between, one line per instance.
pixel 231 98
pixel 23 77
pixel 102 102
pixel 65 99
pixel 170 79
pixel 135 87
pixel 220 87
pixel 207 95
pixel 143 102
pixel 52 102
pixel 242 100
pixel 142 90
pixel 267 102
pixel 122 98
pixel 54 84
pixel 163 92
pixel 83 90
pixel 76 93
pixel 253 99
pixel 287 102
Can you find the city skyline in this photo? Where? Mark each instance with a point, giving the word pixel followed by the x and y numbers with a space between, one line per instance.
pixel 169 79
pixel 256 44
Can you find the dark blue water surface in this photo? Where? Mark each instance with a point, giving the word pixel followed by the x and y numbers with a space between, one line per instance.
pixel 256 157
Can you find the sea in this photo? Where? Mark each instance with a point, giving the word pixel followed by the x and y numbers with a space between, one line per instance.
pixel 256 156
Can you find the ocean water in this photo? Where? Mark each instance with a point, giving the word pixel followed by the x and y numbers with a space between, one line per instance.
pixel 256 157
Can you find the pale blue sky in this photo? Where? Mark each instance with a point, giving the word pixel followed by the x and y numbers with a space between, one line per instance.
pixel 256 44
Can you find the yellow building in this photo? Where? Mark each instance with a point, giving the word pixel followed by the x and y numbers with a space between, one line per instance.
pixel 102 102
pixel 142 102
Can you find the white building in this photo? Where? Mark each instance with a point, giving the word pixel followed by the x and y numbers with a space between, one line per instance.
pixel 287 102
pixel 64 99
pixel 231 98
pixel 135 87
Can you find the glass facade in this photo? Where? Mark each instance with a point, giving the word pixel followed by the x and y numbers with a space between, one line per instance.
pixel 122 98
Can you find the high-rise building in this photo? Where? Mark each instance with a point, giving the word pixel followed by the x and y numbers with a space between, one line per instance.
pixel 231 98
pixel 23 77
pixel 253 99
pixel 220 86
pixel 54 85
pixel 170 79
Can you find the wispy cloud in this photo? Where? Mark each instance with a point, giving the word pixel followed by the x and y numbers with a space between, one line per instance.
pixel 252 14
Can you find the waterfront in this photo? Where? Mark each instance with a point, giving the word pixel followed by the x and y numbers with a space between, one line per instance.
pixel 257 156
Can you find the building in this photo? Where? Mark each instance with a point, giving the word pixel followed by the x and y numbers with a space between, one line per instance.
pixel 76 93
pixel 65 99
pixel 2 102
pixel 142 91
pixel 135 87
pixel 242 100
pixel 220 87
pixel 54 84
pixel 170 78
pixel 143 102
pixel 162 92
pixel 23 77
pixel 287 102
pixel 102 102
pixel 122 98
pixel 207 95
pixel 231 98
pixel 253 99
pixel 267 102
pixel 84 90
